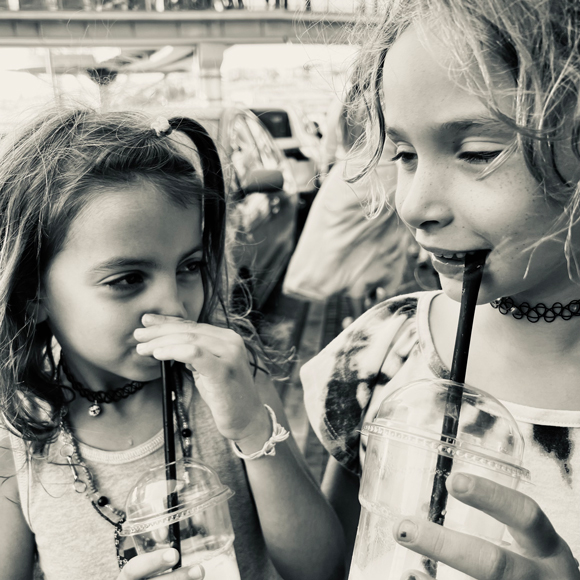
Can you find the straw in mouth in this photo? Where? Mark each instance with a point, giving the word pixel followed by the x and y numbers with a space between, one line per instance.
pixel 472 275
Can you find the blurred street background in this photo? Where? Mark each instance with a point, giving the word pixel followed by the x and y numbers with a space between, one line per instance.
pixel 260 75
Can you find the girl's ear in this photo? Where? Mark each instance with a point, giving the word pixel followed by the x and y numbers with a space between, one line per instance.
pixel 41 313
pixel 36 310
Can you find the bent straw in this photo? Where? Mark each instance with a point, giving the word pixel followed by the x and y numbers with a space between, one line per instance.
pixel 170 462
pixel 471 281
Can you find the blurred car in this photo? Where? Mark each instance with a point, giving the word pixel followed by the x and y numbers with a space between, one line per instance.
pixel 263 196
pixel 297 136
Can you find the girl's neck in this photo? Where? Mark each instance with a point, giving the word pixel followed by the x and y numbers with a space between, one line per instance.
pixel 122 425
pixel 514 360
pixel 89 377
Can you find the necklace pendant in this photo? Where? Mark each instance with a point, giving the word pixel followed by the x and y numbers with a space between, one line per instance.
pixel 95 410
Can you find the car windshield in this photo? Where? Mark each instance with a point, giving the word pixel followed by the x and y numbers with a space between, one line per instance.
pixel 277 123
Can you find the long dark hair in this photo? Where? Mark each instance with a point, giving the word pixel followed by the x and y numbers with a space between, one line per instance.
pixel 48 173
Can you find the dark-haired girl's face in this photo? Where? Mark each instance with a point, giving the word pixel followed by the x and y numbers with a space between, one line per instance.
pixel 444 137
pixel 129 252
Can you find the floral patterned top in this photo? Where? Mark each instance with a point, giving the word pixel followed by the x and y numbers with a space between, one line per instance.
pixel 391 346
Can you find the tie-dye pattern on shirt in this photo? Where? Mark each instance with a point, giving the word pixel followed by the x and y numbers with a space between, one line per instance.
pixel 391 346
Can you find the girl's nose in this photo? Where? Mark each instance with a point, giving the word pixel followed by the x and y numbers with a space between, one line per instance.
pixel 422 202
pixel 167 300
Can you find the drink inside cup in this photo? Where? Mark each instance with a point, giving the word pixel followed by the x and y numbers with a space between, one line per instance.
pixel 403 445
pixel 201 511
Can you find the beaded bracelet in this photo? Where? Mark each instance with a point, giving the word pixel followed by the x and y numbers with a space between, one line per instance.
pixel 279 434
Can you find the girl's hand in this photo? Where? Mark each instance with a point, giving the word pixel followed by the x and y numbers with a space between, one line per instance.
pixel 541 553
pixel 218 360
pixel 149 565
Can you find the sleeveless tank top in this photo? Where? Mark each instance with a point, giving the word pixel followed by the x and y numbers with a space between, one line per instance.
pixel 74 542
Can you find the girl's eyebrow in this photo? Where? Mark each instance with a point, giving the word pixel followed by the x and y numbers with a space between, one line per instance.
pixel 479 126
pixel 119 262
pixel 485 126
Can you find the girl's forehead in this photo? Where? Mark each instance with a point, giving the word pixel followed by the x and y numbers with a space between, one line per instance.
pixel 422 84
pixel 134 215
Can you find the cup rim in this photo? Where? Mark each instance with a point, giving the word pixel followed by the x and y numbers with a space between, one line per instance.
pixel 449 447
pixel 144 524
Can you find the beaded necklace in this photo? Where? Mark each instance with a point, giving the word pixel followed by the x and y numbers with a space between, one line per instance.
pixel 86 484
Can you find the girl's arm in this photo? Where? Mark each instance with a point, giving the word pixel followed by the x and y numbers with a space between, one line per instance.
pixel 341 488
pixel 16 539
pixel 542 553
pixel 302 533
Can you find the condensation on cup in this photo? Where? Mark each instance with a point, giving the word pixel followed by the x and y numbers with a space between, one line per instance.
pixel 205 527
pixel 403 443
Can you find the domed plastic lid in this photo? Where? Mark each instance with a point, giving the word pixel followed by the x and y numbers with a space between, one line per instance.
pixel 198 488
pixel 486 431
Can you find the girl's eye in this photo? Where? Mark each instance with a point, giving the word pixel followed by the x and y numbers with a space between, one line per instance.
pixel 127 282
pixel 406 157
pixel 193 267
pixel 479 156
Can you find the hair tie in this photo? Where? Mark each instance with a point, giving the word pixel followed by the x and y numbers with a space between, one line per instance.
pixel 161 127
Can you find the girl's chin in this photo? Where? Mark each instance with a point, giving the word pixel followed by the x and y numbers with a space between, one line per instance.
pixel 147 369
pixel 453 289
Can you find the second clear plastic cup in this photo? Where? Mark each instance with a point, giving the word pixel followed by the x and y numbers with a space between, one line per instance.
pixel 202 512
pixel 404 442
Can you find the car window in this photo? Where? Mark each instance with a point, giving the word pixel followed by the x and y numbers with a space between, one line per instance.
pixel 268 151
pixel 245 154
pixel 277 122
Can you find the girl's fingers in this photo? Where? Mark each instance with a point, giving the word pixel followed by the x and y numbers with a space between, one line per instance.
pixel 198 358
pixel 415 575
pixel 210 344
pixel 151 319
pixel 472 556
pixel 528 524
pixel 148 565
pixel 170 324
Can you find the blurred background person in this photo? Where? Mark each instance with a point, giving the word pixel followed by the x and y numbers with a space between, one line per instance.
pixel 351 245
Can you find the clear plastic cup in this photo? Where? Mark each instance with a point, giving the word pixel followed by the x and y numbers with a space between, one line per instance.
pixel 201 510
pixel 404 442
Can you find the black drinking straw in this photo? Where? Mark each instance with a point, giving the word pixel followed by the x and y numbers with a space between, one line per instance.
pixel 170 461
pixel 471 281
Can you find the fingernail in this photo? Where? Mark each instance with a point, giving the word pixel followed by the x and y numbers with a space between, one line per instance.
pixel 407 531
pixel 140 348
pixel 147 318
pixel 196 573
pixel 170 556
pixel 462 483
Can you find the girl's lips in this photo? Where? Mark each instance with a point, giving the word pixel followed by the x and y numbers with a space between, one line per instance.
pixel 449 264
pixel 455 256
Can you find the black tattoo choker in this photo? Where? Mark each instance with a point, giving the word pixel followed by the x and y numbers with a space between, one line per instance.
pixel 99 397
pixel 538 312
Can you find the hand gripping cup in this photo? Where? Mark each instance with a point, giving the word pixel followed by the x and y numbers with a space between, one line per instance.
pixel 201 512
pixel 404 450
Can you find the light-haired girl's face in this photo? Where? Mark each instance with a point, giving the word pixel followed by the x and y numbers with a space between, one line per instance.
pixel 444 137
pixel 130 251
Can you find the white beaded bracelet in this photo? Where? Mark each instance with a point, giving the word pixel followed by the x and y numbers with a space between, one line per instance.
pixel 279 434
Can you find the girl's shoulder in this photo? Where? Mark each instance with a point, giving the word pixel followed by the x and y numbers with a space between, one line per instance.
pixel 339 381
pixel 369 338
pixel 8 468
